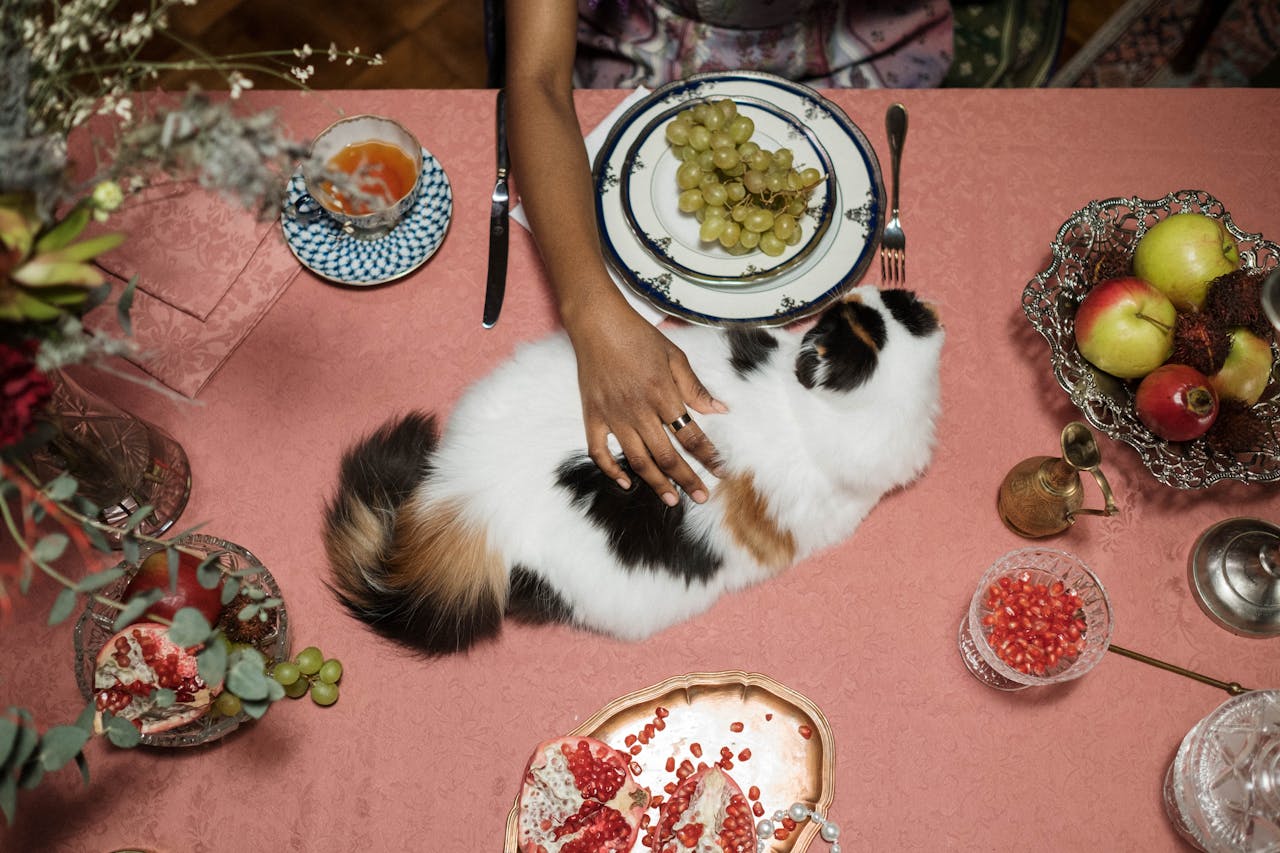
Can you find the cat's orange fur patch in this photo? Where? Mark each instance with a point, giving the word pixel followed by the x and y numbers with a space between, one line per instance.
pixel 440 556
pixel 861 333
pixel 746 514
pixel 354 544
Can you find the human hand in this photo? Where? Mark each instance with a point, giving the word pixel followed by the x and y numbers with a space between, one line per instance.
pixel 637 385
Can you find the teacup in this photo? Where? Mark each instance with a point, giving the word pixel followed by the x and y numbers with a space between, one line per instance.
pixel 384 162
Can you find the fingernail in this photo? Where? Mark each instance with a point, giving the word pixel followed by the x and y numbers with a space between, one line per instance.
pixel 670 499
pixel 719 407
pixel 623 482
pixel 699 496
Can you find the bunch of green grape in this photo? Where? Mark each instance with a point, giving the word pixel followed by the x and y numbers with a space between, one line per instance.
pixel 745 197
pixel 310 670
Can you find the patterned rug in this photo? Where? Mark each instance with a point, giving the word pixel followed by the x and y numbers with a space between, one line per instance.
pixel 1136 46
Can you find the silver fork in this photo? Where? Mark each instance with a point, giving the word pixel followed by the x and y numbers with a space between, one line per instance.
pixel 893 244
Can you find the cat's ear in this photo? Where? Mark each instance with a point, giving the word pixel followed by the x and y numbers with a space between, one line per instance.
pixel 843 348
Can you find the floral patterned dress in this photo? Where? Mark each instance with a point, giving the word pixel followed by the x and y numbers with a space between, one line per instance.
pixel 826 43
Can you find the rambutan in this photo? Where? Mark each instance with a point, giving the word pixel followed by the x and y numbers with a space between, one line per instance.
pixel 1239 429
pixel 1200 340
pixel 1236 300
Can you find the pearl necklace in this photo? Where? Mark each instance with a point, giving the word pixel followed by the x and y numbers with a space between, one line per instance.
pixel 828 829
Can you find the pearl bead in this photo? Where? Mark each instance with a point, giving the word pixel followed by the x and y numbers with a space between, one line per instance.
pixel 798 812
pixel 830 832
pixel 835 848
pixel 764 828
pixel 779 815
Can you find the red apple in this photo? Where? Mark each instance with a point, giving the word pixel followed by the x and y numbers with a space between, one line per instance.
pixel 1176 402
pixel 1180 255
pixel 154 574
pixel 1124 326
pixel 1247 370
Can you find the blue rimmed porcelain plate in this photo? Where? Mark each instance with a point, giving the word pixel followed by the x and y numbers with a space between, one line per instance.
pixel 837 258
pixel 320 244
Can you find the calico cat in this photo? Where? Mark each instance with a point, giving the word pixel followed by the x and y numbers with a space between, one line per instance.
pixel 433 539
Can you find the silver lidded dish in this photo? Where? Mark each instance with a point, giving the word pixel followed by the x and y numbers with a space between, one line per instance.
pixel 1100 234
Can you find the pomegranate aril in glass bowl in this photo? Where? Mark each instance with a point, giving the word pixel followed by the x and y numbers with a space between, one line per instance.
pixel 1039 616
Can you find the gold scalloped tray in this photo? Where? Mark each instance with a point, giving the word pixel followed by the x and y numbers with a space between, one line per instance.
pixel 785 765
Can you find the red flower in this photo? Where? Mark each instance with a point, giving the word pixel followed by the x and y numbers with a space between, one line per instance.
pixel 23 390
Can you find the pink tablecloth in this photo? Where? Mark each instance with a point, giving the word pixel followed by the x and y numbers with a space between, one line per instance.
pixel 427 755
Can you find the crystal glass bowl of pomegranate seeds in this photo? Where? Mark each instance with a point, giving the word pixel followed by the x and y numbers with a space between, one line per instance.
pixel 95 628
pixel 1039 616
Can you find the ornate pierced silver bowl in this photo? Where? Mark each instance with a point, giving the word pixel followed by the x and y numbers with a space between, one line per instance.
pixel 1094 239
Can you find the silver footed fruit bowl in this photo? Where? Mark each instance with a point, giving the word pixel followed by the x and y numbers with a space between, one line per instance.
pixel 1096 243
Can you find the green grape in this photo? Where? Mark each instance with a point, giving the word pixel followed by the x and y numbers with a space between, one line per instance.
pixel 699 138
pixel 728 109
pixel 685 153
pixel 739 212
pixel 748 148
pixel 715 194
pixel 736 191
pixel 783 157
pixel 700 112
pixel 774 182
pixel 796 206
pixel 748 239
pixel 324 693
pixel 711 228
pixel 758 220
pixel 729 234
pixel 691 200
pixel 771 245
pixel 286 673
pixel 795 237
pixel 753 181
pixel 784 225
pixel 740 129
pixel 678 132
pixel 810 177
pixel 706 160
pixel 689 175
pixel 298 689
pixel 720 139
pixel 794 181
pixel 227 704
pixel 726 158
pixel 309 660
pixel 760 161
pixel 713 119
pixel 331 672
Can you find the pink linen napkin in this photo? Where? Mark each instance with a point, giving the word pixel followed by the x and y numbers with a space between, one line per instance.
pixel 207 272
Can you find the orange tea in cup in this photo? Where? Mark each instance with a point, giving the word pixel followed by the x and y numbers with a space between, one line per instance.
pixel 385 172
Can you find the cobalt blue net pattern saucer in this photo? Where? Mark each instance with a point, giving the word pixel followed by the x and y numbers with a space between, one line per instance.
pixel 320 244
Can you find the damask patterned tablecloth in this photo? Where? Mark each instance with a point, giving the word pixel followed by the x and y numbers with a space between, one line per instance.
pixel 428 754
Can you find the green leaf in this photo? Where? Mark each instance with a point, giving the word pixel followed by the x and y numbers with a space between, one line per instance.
pixel 130 546
pixel 189 628
pixel 122 733
pixel 63 606
pixel 255 708
pixel 28 740
pixel 136 607
pixel 171 562
pixel 83 764
pixel 65 231
pixel 164 696
pixel 257 594
pixel 248 612
pixel 60 745
pixel 124 304
pixel 32 773
pixel 98 580
pixel 97 539
pixel 9 796
pixel 209 572
pixel 85 720
pixel 275 690
pixel 140 515
pixel 229 590
pixel 212 660
pixel 61 487
pixel 43 272
pixel 247 681
pixel 85 250
pixel 271 603
pixel 50 547
pixel 8 739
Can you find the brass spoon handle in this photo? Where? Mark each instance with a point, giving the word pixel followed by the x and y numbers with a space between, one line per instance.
pixel 1232 687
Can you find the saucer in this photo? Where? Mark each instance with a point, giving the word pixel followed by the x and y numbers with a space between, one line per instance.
pixel 320 244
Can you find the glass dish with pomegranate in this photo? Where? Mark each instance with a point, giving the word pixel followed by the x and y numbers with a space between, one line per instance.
pixel 1033 622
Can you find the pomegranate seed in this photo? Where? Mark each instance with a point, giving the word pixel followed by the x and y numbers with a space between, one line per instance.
pixel 661 711
pixel 744 755
pixel 758 809
pixel 737 727
pixel 753 793
pixel 671 763
pixel 696 749
pixel 806 732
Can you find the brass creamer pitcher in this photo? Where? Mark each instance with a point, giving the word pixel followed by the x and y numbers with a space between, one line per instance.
pixel 1043 495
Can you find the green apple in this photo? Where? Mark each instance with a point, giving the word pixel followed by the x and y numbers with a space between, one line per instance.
pixel 1245 373
pixel 1182 254
pixel 1124 326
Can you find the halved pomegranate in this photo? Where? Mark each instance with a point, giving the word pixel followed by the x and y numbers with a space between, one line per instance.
pixel 137 661
pixel 706 812
pixel 579 797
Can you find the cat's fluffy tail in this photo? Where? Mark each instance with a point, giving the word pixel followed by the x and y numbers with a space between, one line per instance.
pixel 407 564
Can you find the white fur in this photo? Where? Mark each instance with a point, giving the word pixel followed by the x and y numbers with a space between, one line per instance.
pixel 821 459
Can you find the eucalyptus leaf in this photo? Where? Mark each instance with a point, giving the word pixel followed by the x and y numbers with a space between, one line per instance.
pixel 98 540
pixel 85 720
pixel 247 681
pixel 9 796
pixel 248 612
pixel 122 733
pixel 272 603
pixel 83 764
pixel 50 547
pixel 98 580
pixel 164 696
pixel 229 590
pixel 65 231
pixel 209 572
pixel 124 304
pixel 8 739
pixel 171 561
pixel 189 628
pixel 28 740
pixel 139 515
pixel 136 607
pixel 31 774
pixel 63 606
pixel 130 546
pixel 256 594
pixel 38 513
pixel 61 487
pixel 212 661
pixel 275 690
pixel 255 708
pixel 60 745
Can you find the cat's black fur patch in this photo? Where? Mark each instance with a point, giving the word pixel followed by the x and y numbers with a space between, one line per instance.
pixel 750 349
pixel 910 311
pixel 532 599
pixel 846 341
pixel 384 469
pixel 643 532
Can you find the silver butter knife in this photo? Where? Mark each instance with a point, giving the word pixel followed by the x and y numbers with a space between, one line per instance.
pixel 496 285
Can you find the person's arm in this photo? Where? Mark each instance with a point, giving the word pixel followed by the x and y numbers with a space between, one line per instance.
pixel 633 380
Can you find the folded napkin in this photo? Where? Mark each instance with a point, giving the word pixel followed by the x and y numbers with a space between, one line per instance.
pixel 207 271
pixel 593 141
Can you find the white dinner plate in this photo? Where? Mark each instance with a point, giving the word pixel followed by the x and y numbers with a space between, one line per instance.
pixel 320 244
pixel 650 199
pixel 835 263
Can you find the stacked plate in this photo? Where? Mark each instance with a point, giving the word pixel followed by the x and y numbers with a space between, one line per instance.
pixel 655 248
